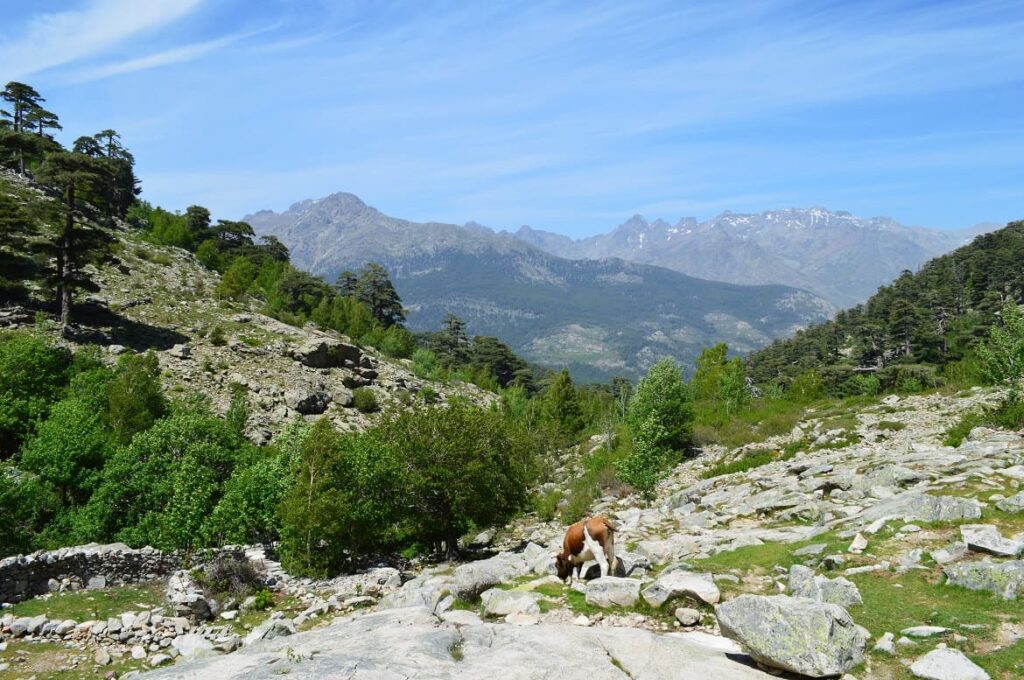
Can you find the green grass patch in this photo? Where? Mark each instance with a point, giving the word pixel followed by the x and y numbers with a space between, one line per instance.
pixel 752 460
pixel 763 558
pixel 891 425
pixel 86 605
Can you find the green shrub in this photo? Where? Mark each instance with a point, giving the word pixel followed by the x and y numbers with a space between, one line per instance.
pixel 365 400
pixel 805 388
pixel 263 600
pixel 425 364
pixel 230 575
pixel 33 374
pixel 428 394
pixel 891 425
pixel 217 336
pixel 545 504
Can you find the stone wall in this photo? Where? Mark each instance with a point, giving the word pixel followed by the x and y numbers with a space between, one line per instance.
pixel 85 566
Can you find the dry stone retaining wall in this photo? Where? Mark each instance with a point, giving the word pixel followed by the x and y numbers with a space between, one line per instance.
pixel 85 566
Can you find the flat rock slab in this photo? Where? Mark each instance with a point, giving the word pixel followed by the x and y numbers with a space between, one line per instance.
pixel 794 634
pixel 947 664
pixel 986 538
pixel 410 642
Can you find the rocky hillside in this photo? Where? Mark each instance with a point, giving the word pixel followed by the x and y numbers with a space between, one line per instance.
pixel 162 298
pixel 860 546
pixel 868 549
pixel 839 256
pixel 600 317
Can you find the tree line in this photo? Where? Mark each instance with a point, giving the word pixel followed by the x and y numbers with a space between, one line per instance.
pixel 911 333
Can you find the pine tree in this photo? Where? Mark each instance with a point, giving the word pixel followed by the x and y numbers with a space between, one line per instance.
pixel 83 183
pixel 375 290
pixel 23 99
pixel 198 220
pixel 562 406
pixel 42 120
pixel 347 284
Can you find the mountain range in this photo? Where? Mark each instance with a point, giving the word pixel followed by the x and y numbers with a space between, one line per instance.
pixel 598 316
pixel 840 257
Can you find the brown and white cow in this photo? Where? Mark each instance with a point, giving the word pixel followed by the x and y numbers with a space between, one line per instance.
pixel 589 539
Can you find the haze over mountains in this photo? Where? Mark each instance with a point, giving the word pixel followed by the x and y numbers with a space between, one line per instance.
pixel 841 257
pixel 600 317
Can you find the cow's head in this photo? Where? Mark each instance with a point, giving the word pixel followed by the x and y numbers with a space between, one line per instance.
pixel 563 566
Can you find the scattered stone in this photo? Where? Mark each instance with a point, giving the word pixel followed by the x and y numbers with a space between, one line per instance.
pixel 924 631
pixel 102 657
pixel 886 644
pixel 461 617
pixel 675 584
pixel 180 351
pixel 955 552
pixel 1012 504
pixel 947 664
pixel 138 652
pixel 794 634
pixel 859 545
pixel 97 583
pixel 687 616
pixel 192 646
pixel 159 659
pixel 611 591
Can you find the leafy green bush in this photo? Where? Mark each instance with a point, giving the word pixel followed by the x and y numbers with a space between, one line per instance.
pixel 749 461
pixel 425 365
pixel 217 336
pixel 1002 354
pixel 264 600
pixel 428 394
pixel 660 419
pixel 424 477
pixel 365 400
pixel 806 388
pixel 545 504
pixel 33 374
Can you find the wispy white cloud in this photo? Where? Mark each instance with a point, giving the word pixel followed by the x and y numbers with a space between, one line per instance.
pixel 164 58
pixel 58 38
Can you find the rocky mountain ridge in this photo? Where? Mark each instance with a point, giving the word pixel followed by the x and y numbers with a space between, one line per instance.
pixel 837 255
pixel 600 317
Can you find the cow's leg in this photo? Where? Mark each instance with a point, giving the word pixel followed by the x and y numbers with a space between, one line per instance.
pixel 597 550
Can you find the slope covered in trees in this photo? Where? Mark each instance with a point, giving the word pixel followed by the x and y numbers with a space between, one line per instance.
pixel 918 328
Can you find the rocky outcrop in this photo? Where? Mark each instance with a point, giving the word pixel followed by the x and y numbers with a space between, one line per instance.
pixel 986 538
pixel 794 634
pixel 327 353
pixel 411 642
pixel 803 582
pixel 674 584
pixel 1005 579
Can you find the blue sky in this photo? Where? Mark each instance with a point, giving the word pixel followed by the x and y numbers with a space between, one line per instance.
pixel 565 116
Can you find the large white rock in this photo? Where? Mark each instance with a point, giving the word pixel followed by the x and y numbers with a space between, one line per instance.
pixel 612 591
pixel 947 664
pixel 795 634
pixel 400 643
pixel 682 584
